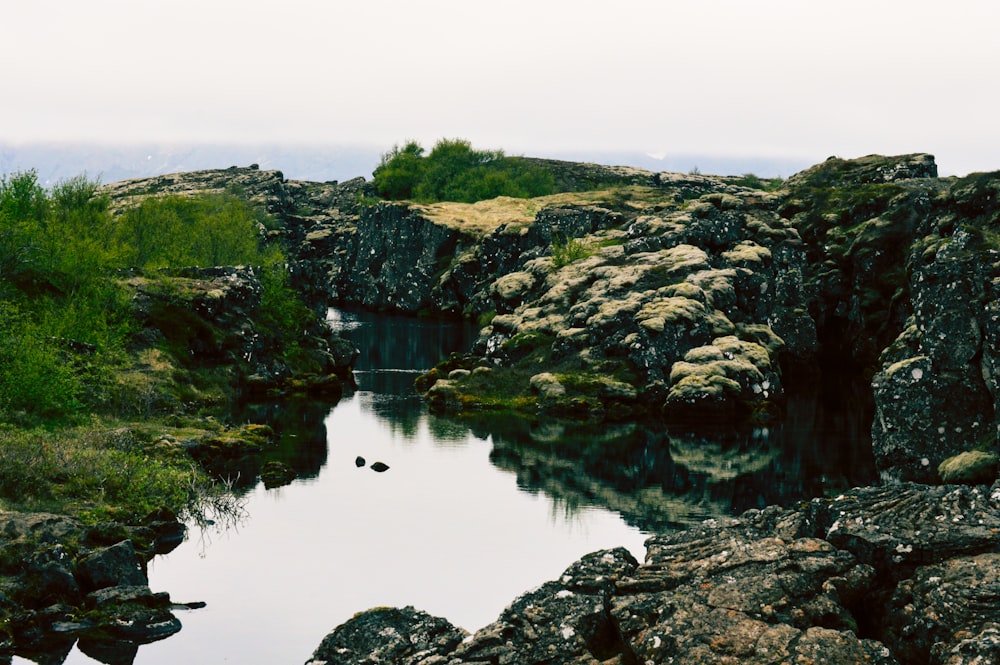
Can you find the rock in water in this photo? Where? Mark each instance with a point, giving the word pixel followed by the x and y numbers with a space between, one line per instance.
pixel 380 467
pixel 388 635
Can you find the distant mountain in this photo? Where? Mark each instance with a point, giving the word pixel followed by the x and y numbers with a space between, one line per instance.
pixel 112 163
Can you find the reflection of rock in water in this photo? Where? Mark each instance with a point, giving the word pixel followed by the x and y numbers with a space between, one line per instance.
pixel 657 479
pixel 721 461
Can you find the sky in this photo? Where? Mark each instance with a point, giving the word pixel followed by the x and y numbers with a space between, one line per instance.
pixel 801 79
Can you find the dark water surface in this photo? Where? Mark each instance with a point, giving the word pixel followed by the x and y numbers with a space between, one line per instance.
pixel 469 514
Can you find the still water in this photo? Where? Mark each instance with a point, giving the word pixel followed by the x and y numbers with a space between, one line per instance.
pixel 451 527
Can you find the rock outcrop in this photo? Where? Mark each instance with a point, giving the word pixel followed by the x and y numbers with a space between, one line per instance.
pixel 683 295
pixel 60 577
pixel 905 574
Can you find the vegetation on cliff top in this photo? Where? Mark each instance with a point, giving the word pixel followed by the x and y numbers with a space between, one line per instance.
pixel 454 171
pixel 73 357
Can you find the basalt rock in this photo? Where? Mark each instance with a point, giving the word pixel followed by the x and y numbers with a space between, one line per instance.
pixel 936 392
pixel 54 582
pixel 904 574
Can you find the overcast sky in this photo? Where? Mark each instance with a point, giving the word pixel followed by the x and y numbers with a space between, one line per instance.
pixel 777 78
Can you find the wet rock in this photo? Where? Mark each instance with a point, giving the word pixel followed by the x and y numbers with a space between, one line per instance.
pixel 943 606
pixel 134 613
pixel 390 636
pixel 564 621
pixel 118 565
pixel 276 474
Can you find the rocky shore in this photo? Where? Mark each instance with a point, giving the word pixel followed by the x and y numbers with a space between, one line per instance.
pixel 903 573
pixel 678 298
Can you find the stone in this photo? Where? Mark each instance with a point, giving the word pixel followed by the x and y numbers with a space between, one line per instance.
pixel 117 565
pixel 973 467
pixel 387 635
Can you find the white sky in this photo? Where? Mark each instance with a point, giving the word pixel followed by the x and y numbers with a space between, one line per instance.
pixel 777 78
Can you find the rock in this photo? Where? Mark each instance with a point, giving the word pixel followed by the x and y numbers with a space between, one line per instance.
pixel 974 467
pixel 276 474
pixel 907 573
pixel 897 528
pixel 49 578
pixel 565 621
pixel 387 635
pixel 359 461
pixel 134 613
pixel 380 467
pixel 944 605
pixel 117 565
pixel 981 649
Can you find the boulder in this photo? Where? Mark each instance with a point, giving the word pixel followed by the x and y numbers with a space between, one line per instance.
pixel 118 565
pixel 388 636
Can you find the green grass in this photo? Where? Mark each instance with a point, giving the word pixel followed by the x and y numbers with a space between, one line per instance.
pixel 97 472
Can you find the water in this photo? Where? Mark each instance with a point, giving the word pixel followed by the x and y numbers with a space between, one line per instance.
pixel 444 529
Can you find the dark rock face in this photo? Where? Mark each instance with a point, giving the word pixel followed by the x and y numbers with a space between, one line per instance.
pixel 54 582
pixel 117 565
pixel 936 392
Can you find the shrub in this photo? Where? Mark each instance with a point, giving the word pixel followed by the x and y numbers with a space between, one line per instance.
pixel 454 171
pixel 210 230
pixel 567 251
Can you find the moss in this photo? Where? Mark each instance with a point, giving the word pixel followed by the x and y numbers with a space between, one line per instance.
pixel 761 335
pixel 523 344
pixel 513 286
pixel 973 467
pixel 656 315
pixel 683 259
pixel 697 387
pixel 747 252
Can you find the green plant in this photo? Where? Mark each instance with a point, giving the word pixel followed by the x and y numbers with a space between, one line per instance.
pixel 209 230
pixel 454 171
pixel 569 250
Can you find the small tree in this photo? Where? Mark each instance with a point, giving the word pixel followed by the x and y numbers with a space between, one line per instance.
pixel 400 170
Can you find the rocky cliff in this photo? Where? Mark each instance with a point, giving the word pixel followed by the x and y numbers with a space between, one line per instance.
pixel 682 296
pixel 688 297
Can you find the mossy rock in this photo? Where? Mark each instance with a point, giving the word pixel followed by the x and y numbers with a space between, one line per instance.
pixel 276 474
pixel 973 467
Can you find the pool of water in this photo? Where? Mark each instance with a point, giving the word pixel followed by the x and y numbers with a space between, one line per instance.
pixel 470 513
pixel 444 529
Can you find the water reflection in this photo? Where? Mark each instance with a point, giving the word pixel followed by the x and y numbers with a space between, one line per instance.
pixel 470 513
pixel 658 478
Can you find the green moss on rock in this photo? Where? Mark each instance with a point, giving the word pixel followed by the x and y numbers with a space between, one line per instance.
pixel 973 467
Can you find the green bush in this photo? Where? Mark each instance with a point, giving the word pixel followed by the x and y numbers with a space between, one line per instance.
pixel 211 230
pixel 567 251
pixel 454 171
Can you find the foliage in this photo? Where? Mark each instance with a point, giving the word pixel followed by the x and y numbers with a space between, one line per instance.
pixel 210 230
pixel 567 251
pixel 66 322
pixel 284 320
pixel 454 171
pixel 96 471
pixel 753 181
